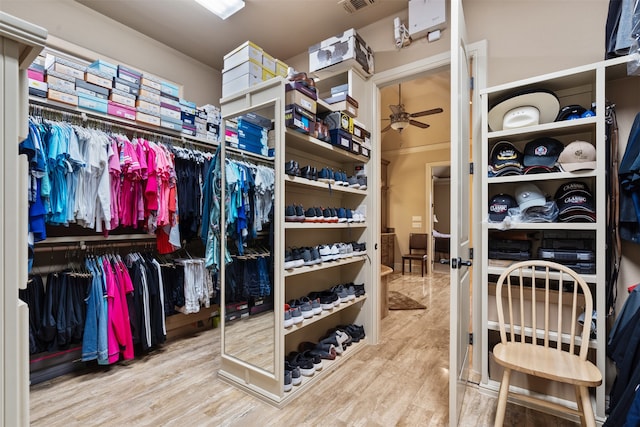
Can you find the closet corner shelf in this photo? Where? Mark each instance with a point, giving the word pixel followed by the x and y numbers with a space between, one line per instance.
pixel 558 128
pixel 324 315
pixel 542 177
pixel 327 367
pixel 304 142
pixel 318 225
pixel 324 265
pixel 304 182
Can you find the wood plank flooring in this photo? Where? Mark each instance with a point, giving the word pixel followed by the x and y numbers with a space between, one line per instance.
pixel 402 381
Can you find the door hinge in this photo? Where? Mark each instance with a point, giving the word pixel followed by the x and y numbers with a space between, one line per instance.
pixel 470 253
pixel 471 81
pixel 471 168
pixel 470 338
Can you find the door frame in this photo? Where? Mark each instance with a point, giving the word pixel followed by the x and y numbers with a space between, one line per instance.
pixel 478 53
pixel 430 200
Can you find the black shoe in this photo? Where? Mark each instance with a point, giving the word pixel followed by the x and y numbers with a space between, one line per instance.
pixel 309 172
pixel 292 168
pixel 306 366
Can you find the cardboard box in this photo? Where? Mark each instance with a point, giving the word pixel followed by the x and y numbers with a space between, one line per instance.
pixel 122 98
pixel 66 97
pixel 149 95
pixel 340 138
pixel 98 78
pixel 151 81
pixel 339 120
pixel 92 103
pixel 299 98
pixel 170 89
pixel 37 92
pixel 311 92
pixel 119 110
pixel 242 53
pixel 241 83
pixel 148 107
pixel 349 106
pixel 144 117
pixel 282 69
pixel 93 88
pixel 167 110
pixel 268 62
pixel 129 74
pixel 35 75
pixel 105 67
pixel 65 69
pixel 343 51
pixel 298 118
pixel 246 67
pixel 40 85
pixel 125 86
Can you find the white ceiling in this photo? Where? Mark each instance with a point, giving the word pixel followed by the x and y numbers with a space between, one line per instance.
pixel 283 28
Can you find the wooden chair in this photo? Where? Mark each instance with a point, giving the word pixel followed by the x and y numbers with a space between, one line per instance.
pixel 558 308
pixel 418 244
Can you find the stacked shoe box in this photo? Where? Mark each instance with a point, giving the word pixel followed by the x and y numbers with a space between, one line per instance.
pixel 573 248
pixel 95 88
pixel 253 133
pixel 36 75
pixel 65 70
pixel 148 102
pixel 248 65
pixel 300 107
pixel 207 121
pixel 124 92
pixel 188 116
pixel 170 112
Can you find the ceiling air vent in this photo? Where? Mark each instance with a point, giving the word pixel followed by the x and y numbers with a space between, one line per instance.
pixel 352 6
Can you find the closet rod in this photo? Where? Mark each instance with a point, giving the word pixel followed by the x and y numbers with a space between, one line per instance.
pixel 240 155
pixel 84 245
pixel 56 107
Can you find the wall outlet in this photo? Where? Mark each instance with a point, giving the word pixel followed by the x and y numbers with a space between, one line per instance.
pixel 416 225
pixel 416 218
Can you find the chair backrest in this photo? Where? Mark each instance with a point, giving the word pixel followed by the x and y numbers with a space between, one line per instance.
pixel 548 310
pixel 419 242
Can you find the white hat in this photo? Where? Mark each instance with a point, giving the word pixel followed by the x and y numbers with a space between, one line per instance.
pixel 528 195
pixel 578 155
pixel 545 102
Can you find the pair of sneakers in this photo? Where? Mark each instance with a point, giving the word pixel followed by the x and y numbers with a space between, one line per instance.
pixel 294 213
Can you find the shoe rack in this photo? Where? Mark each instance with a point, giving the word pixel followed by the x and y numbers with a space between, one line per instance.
pixel 360 267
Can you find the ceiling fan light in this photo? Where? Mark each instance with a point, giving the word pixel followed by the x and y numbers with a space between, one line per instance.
pixel 399 125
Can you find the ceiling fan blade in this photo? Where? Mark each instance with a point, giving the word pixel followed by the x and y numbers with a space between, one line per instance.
pixel 386 128
pixel 427 112
pixel 419 124
pixel 396 109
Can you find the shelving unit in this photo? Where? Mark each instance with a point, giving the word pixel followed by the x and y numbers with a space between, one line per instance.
pixel 580 85
pixel 267 99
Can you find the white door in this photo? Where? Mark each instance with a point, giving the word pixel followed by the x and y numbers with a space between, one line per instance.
pixel 460 224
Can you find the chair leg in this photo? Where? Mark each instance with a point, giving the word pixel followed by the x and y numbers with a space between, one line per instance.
pixel 580 406
pixel 502 398
pixel 403 267
pixel 422 269
pixel 587 409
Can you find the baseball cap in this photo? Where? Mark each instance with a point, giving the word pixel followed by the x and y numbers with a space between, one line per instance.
pixel 529 195
pixel 531 170
pixel 542 152
pixel 505 159
pixel 569 112
pixel 578 155
pixel 499 206
pixel 575 203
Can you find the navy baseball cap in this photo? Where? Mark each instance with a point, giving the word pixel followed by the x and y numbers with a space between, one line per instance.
pixel 542 152
pixel 505 159
pixel 575 203
pixel 499 206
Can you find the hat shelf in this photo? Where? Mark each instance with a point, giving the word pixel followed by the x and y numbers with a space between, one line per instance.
pixel 579 86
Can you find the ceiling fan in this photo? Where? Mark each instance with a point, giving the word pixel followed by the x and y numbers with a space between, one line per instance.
pixel 401 119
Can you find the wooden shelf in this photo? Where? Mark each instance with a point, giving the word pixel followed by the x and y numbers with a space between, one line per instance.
pixel 544 226
pixel 517 179
pixel 325 313
pixel 497 270
pixel 566 127
pixel 324 265
pixel 494 326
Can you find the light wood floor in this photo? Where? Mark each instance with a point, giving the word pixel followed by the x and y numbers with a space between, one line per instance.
pixel 402 381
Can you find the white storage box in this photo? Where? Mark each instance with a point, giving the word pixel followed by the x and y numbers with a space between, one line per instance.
pixel 346 49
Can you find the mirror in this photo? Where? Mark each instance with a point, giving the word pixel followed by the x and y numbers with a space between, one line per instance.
pixel 248 273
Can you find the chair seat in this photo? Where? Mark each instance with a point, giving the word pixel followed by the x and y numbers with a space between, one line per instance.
pixel 547 363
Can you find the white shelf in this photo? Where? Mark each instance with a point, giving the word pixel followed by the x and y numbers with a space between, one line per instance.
pixel 541 177
pixel 324 265
pixel 325 225
pixel 306 183
pixel 556 129
pixel 325 313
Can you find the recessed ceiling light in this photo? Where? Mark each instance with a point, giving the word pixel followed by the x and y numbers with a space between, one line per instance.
pixel 222 8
